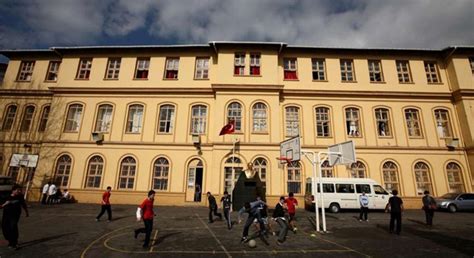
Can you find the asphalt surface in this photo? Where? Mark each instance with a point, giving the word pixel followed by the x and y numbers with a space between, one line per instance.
pixel 70 230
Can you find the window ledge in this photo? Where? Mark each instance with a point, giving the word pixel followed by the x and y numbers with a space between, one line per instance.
pixel 435 83
pixel 384 137
pixel 163 133
pixel 261 133
pixel 320 81
pixel 324 137
pixel 140 79
pixel 22 81
pixel 381 82
pixel 47 81
pixel 406 82
pixel 201 79
pixel 131 133
pixel 292 80
pixel 349 81
pixel 247 75
pixel 415 137
pixel 110 79
pixel 81 79
pixel 170 79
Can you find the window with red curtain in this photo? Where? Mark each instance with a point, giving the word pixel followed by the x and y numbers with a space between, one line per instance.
pixel 143 64
pixel 290 69
pixel 239 64
pixel 254 64
pixel 172 65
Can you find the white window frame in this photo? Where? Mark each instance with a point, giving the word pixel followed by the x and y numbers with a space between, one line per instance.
pixel 73 119
pixel 443 123
pixel 375 71
pixel 403 71
pixel 390 176
pixel 25 74
pixel 198 119
pixel 323 122
pixel 202 68
pixel 259 118
pixel 353 124
pixel 318 66
pixel 84 69
pixel 172 65
pixel 382 116
pixel 128 170
pixel 413 122
pixel 347 70
pixel 53 70
pixel 103 120
pixel 161 171
pixel 166 119
pixel 234 111
pixel 292 121
pixel 135 118
pixel 432 72
pixel 422 178
pixel 113 68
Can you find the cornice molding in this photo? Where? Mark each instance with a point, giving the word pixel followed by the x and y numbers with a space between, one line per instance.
pixel 248 87
pixel 461 94
pixel 16 92
pixel 368 94
pixel 132 90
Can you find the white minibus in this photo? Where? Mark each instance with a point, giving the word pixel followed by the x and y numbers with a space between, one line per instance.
pixel 343 193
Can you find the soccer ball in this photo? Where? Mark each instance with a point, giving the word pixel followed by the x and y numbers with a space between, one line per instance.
pixel 252 243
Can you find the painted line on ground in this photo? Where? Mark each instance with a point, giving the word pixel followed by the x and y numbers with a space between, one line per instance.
pixel 214 235
pixel 98 239
pixel 154 241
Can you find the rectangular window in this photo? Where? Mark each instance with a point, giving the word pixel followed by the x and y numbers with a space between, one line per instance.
pixel 432 75
pixel 318 69
pixel 290 67
pixel 84 69
pixel 413 122
pixel 26 71
pixel 143 65
pixel 382 118
pixel 327 188
pixel 27 119
pixel 202 68
pixel 363 189
pixel 53 69
pixel 172 66
pixel 166 119
pixel 403 71
pixel 375 71
pixel 443 126
pixel 323 122
pixel 113 69
pixel 347 70
pixel 239 64
pixel 254 64
pixel 104 118
pixel 345 188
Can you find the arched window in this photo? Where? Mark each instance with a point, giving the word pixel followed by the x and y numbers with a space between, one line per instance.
pixel 161 170
pixel 292 120
pixel 323 122
pixel 294 177
pixel 422 178
pixel 73 120
pixel 198 119
pixel 166 119
pixel 443 125
pixel 412 119
pixel 358 170
pixel 353 122
pixel 260 167
pixel 390 176
pixel 326 170
pixel 234 112
pixel 104 118
pixel 94 172
pixel 63 170
pixel 128 168
pixel 454 178
pixel 9 117
pixel 382 116
pixel 44 118
pixel 135 119
pixel 27 118
pixel 259 111
pixel 232 169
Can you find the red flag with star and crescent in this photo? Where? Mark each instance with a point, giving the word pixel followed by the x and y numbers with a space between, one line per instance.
pixel 228 128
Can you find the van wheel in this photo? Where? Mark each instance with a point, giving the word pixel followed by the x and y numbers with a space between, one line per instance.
pixel 334 208
pixel 452 208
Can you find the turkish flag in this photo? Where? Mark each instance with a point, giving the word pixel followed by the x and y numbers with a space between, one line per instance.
pixel 228 128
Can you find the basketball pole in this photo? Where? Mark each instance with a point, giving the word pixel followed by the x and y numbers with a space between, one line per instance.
pixel 315 184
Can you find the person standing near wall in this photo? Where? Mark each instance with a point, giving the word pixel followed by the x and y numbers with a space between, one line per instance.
pixel 429 206
pixel 11 216
pixel 212 207
pixel 106 205
pixel 45 193
pixel 52 189
pixel 395 206
pixel 147 214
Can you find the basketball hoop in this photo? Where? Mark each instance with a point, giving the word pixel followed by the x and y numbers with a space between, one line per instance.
pixel 284 160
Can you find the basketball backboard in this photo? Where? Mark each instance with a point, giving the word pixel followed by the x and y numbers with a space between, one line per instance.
pixel 24 160
pixel 290 150
pixel 342 153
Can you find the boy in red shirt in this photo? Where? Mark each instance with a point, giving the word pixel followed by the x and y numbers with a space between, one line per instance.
pixel 291 203
pixel 105 205
pixel 148 214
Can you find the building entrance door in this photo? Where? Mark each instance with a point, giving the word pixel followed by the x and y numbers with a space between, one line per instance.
pixel 194 183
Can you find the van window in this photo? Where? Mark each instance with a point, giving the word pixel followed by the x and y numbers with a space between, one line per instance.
pixel 345 188
pixel 379 190
pixel 6 181
pixel 327 188
pixel 363 188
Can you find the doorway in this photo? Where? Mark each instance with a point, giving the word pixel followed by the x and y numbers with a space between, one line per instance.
pixel 194 183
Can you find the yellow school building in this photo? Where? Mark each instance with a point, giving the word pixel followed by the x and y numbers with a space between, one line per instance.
pixel 148 117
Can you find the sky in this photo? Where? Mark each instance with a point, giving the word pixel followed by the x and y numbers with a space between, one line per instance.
pixel 330 23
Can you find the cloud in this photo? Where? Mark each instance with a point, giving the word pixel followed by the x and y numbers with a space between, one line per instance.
pixel 349 23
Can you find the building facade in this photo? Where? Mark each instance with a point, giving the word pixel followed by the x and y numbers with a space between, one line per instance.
pixel 148 117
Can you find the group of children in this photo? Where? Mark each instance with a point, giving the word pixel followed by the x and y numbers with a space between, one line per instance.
pixel 52 194
pixel 283 214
